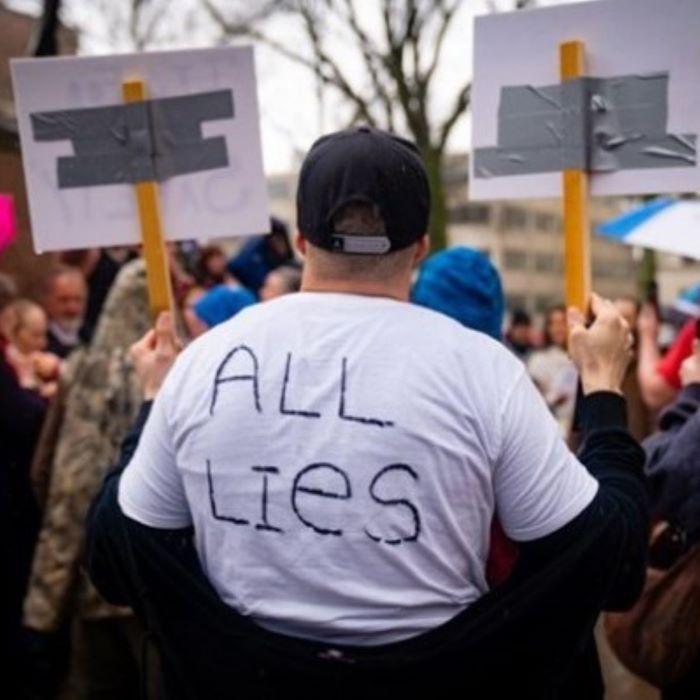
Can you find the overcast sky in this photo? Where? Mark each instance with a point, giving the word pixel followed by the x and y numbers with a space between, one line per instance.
pixel 291 114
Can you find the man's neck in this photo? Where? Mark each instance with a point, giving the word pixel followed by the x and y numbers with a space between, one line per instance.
pixel 400 292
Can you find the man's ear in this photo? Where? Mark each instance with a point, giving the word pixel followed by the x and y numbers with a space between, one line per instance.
pixel 300 244
pixel 422 249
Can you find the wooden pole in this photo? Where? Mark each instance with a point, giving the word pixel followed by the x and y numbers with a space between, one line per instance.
pixel 154 252
pixel 577 243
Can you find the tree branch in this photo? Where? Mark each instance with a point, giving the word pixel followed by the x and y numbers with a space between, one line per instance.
pixel 373 61
pixel 460 106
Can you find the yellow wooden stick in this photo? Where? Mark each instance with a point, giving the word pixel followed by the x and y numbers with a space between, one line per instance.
pixel 577 243
pixel 154 252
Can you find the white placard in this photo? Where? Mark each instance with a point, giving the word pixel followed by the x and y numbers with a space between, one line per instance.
pixel 222 202
pixel 621 37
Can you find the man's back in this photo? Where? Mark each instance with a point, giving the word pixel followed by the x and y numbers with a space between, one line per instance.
pixel 341 458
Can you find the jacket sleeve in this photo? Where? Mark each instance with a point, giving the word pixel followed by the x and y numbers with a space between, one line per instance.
pixel 102 558
pixel 673 468
pixel 619 511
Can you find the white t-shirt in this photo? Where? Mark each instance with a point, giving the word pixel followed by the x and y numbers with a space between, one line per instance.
pixel 341 458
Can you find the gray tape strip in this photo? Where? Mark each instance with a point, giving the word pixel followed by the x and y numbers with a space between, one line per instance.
pixel 360 244
pixel 150 140
pixel 598 124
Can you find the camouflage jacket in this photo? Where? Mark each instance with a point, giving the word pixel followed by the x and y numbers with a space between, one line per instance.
pixel 101 404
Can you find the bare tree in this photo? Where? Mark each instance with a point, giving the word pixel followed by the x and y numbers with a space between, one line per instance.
pixel 400 56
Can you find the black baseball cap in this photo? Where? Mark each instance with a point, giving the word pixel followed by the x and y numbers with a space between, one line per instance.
pixel 368 165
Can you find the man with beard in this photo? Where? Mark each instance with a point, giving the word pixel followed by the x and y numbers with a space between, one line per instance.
pixel 64 299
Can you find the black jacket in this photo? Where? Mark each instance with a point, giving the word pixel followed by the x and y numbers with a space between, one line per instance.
pixel 528 638
pixel 673 463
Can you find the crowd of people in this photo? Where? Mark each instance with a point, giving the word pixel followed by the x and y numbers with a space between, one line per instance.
pixel 70 391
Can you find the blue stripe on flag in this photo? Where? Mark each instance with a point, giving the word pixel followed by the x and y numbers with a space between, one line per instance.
pixel 622 226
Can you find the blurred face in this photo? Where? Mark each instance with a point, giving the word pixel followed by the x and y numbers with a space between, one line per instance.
pixel 273 287
pixel 520 334
pixel 216 265
pixel 556 328
pixel 30 335
pixel 65 302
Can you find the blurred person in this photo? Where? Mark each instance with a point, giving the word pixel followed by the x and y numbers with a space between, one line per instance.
pixel 283 280
pixel 659 375
pixel 553 371
pixel 305 507
pixel 519 334
pixel 101 402
pixel 99 267
pixel 8 295
pixel 216 306
pixel 21 415
pixel 673 469
pixel 640 418
pixel 35 369
pixel 463 284
pixel 261 254
pixel 64 299
pixel 211 267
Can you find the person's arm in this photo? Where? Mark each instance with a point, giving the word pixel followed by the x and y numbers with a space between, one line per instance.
pixel 672 454
pixel 619 510
pixel 151 496
pixel 101 561
pixel 672 466
pixel 659 377
pixel 547 499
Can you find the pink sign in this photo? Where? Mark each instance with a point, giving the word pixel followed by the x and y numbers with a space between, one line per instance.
pixel 8 221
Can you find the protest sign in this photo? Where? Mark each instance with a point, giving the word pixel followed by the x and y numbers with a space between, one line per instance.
pixel 195 133
pixel 564 106
pixel 632 122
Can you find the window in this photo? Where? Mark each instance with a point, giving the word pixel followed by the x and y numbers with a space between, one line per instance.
pixel 469 214
pixel 513 217
pixel 516 301
pixel 546 222
pixel 515 259
pixel 547 262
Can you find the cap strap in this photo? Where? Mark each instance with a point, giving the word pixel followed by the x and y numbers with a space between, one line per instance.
pixel 359 244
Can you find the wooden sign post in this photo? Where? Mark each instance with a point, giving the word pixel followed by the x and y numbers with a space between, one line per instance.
pixel 154 252
pixel 577 239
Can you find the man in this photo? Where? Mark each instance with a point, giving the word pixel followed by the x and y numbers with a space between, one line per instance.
pixel 21 415
pixel 64 299
pixel 673 467
pixel 519 335
pixel 102 398
pixel 309 505
pixel 284 280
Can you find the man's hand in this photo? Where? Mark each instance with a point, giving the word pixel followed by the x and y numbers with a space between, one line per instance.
pixel 154 355
pixel 690 369
pixel 601 352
